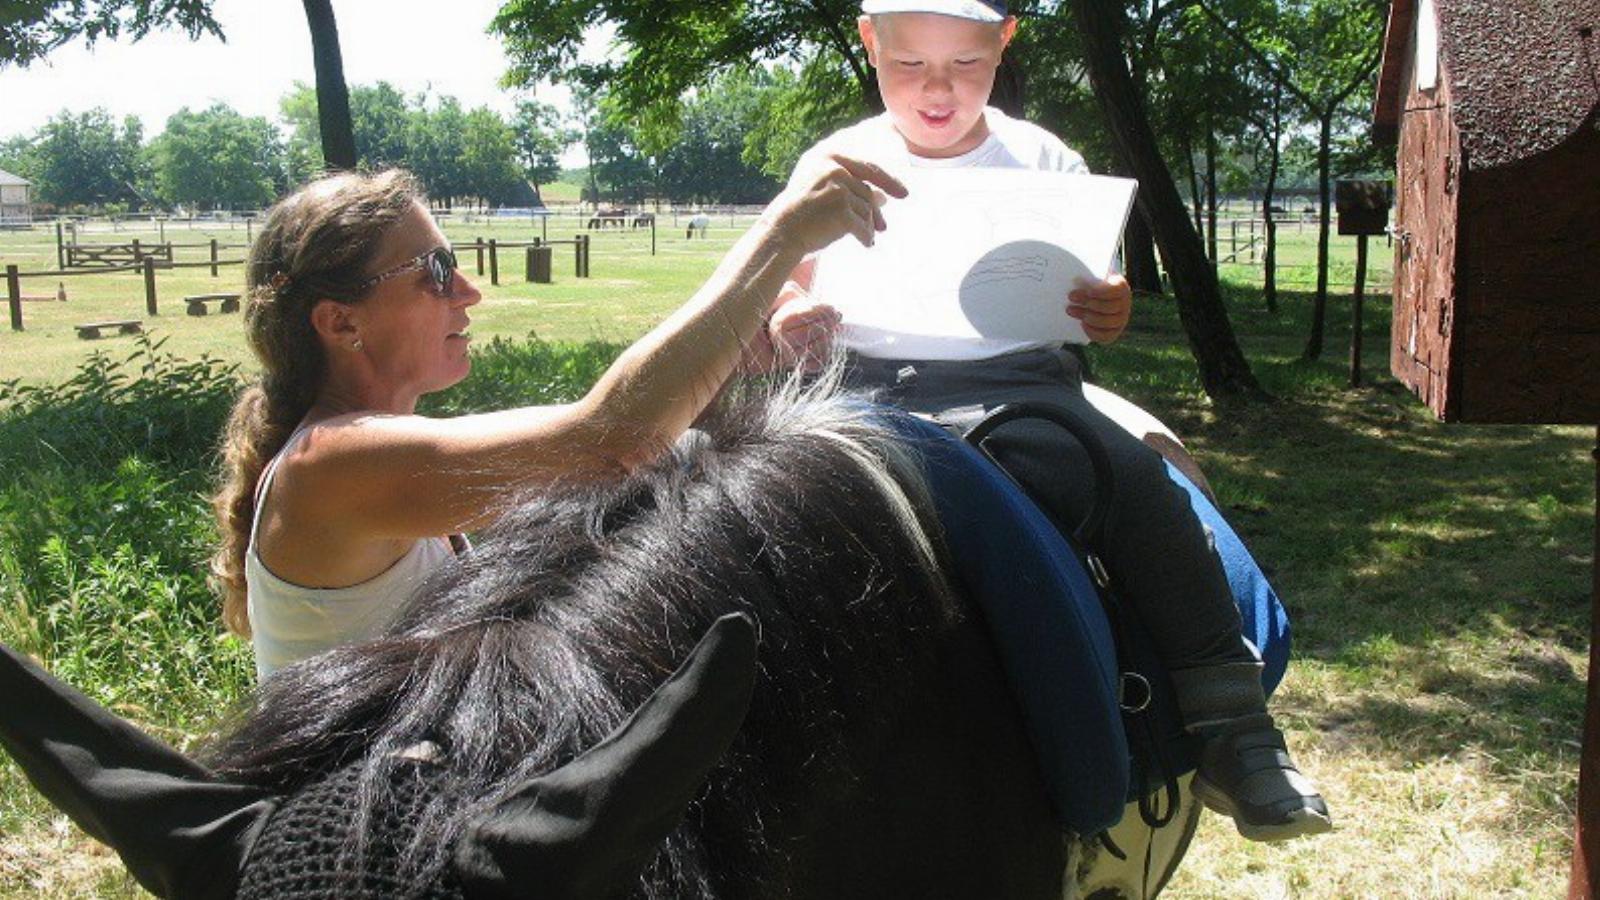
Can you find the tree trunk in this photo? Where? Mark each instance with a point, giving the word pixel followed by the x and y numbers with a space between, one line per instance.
pixel 1139 255
pixel 1269 261
pixel 1194 189
pixel 1139 247
pixel 333 98
pixel 1224 372
pixel 1319 308
pixel 1211 194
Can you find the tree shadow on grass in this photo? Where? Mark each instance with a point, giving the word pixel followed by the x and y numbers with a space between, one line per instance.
pixel 1374 519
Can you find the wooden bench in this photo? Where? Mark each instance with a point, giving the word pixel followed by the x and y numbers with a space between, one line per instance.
pixel 197 303
pixel 91 330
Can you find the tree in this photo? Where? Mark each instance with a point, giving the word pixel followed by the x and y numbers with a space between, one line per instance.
pixel 86 160
pixel 435 137
pixel 218 158
pixel 540 138
pixel 297 110
pixel 333 98
pixel 704 157
pixel 1322 52
pixel 674 45
pixel 381 124
pixel 29 29
pixel 488 163
pixel 618 166
pixel 795 109
pixel 1224 372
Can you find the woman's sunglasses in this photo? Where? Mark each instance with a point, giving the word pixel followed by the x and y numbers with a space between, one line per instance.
pixel 440 264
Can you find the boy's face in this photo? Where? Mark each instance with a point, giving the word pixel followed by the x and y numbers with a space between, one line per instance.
pixel 935 73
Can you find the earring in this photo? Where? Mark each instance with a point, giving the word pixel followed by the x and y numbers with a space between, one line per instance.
pixel 356 345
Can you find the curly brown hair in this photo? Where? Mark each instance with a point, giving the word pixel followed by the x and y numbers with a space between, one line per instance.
pixel 318 243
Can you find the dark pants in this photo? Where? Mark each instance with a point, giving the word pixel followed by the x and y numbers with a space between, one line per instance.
pixel 1156 550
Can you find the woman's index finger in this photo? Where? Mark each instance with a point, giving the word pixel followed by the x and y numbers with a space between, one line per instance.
pixel 872 173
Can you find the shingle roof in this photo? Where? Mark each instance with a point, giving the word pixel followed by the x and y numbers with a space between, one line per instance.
pixel 1524 74
pixel 8 178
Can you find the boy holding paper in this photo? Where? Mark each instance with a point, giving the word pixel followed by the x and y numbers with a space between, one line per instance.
pixel 936 62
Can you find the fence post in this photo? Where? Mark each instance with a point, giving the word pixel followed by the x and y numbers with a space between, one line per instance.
pixel 213 257
pixel 161 231
pixel 494 264
pixel 138 254
pixel 652 235
pixel 61 255
pixel 1355 311
pixel 14 293
pixel 249 222
pixel 150 285
pixel 544 226
pixel 478 244
pixel 1252 240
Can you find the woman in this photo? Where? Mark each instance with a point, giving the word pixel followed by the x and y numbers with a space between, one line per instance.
pixel 338 499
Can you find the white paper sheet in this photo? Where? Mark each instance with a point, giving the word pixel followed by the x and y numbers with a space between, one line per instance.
pixel 979 253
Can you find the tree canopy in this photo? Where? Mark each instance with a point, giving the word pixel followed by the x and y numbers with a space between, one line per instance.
pixel 29 29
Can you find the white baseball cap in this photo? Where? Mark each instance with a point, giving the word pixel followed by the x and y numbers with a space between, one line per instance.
pixel 977 10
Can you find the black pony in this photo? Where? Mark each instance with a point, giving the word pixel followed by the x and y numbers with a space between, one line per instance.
pixel 881 754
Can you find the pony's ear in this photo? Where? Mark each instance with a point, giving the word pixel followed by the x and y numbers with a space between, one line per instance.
pixel 179 831
pixel 589 828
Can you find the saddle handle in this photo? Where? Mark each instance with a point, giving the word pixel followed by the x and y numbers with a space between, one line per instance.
pixel 1099 459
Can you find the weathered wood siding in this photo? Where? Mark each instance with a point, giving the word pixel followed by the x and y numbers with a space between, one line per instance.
pixel 1427 199
pixel 1527 333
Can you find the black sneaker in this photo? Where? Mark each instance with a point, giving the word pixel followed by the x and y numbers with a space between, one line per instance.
pixel 1246 774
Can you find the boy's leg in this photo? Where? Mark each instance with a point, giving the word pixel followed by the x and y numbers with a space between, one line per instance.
pixel 1162 562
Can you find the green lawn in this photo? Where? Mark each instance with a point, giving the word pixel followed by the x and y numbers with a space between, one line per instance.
pixel 628 291
pixel 1437 576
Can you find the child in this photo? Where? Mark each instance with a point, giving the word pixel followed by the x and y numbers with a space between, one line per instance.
pixel 936 62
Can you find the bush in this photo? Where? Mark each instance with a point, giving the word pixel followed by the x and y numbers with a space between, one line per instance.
pixel 106 528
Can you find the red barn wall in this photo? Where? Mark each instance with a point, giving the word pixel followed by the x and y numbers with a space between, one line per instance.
pixel 1427 195
pixel 1527 341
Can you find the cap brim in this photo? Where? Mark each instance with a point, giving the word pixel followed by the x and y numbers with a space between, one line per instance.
pixel 960 9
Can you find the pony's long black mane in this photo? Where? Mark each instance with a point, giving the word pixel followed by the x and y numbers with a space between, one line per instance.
pixel 795 505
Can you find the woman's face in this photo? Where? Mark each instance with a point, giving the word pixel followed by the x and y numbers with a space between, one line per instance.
pixel 414 337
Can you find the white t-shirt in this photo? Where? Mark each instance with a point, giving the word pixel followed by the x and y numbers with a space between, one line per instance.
pixel 1011 144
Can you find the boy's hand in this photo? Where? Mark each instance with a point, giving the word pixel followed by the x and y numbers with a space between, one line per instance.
pixel 843 198
pixel 1103 307
pixel 799 332
pixel 801 329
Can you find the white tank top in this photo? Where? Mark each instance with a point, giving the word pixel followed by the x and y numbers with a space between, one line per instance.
pixel 289 623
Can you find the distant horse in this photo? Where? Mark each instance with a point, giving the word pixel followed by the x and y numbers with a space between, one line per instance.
pixel 881 756
pixel 608 215
pixel 698 222
pixel 643 220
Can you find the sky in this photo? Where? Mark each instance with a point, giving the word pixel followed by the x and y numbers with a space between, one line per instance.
pixel 412 44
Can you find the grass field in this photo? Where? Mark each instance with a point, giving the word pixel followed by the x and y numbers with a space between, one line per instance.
pixel 629 290
pixel 1437 577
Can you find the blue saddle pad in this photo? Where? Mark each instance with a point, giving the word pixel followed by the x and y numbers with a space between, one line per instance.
pixel 1052 634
